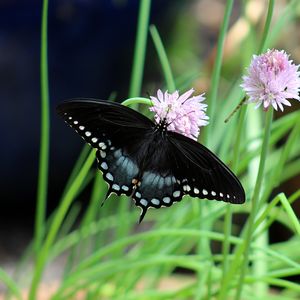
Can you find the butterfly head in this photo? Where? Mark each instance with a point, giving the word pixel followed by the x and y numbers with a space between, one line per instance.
pixel 183 114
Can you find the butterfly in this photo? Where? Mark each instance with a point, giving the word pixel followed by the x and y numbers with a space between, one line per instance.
pixel 144 160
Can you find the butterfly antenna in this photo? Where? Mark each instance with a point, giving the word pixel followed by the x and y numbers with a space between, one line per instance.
pixel 235 110
pixel 181 117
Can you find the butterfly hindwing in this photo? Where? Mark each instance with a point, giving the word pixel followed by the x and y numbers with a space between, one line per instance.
pixel 156 190
pixel 118 170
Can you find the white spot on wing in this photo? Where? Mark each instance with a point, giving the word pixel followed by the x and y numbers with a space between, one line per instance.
pixel 81 127
pixel 204 192
pixel 166 199
pixel 102 154
pixel 176 194
pixel 155 201
pixel 186 188
pixel 115 187
pixel 125 188
pixel 94 140
pixel 109 176
pixel 104 165
pixel 144 202
pixel 102 146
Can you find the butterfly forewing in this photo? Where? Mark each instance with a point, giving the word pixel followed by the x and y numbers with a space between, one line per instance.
pixel 206 176
pixel 114 130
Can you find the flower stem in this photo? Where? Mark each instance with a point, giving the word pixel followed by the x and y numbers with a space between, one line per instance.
pixel 255 201
pixel 163 58
pixel 44 136
pixel 215 78
pixel 260 264
pixel 228 214
pixel 135 90
pixel 140 49
pixel 264 40
pixel 136 100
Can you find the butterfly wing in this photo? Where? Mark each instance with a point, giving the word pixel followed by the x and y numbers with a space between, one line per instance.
pixel 136 158
pixel 114 130
pixel 159 182
pixel 181 166
pixel 205 176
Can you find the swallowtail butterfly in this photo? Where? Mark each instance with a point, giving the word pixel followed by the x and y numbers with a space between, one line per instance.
pixel 144 160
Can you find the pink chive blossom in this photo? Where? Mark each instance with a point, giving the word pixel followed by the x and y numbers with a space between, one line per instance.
pixel 272 79
pixel 183 114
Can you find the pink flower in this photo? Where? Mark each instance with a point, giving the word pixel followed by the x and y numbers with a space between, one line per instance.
pixel 272 79
pixel 182 114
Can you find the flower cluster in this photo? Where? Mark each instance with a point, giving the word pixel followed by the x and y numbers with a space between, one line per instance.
pixel 272 79
pixel 183 114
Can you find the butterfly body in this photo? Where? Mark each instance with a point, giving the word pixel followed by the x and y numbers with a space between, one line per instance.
pixel 144 160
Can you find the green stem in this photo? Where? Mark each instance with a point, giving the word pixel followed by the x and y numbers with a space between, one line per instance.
pixel 215 78
pixel 238 254
pixel 44 136
pixel 57 221
pixel 140 49
pixel 264 40
pixel 212 99
pixel 276 178
pixel 258 265
pixel 291 214
pixel 11 285
pixel 78 165
pixel 163 58
pixel 135 100
pixel 228 214
pixel 135 91
pixel 247 243
pixel 255 201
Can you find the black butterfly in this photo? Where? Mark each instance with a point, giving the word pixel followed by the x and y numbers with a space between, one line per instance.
pixel 144 160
